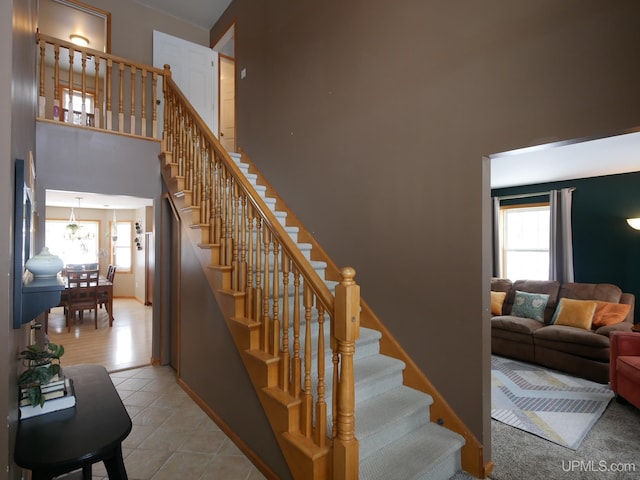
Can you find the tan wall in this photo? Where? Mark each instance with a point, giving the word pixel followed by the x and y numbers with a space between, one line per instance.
pixel 132 26
pixel 371 120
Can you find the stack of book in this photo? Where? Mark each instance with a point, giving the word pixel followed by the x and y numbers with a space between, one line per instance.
pixel 58 396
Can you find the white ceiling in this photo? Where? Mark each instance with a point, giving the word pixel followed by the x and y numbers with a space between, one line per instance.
pixel 567 161
pixel 204 13
pixel 57 198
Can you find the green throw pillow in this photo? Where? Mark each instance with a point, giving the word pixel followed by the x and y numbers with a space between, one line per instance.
pixel 530 305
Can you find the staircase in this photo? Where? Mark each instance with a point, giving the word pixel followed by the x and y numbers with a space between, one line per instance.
pixel 397 439
pixel 362 409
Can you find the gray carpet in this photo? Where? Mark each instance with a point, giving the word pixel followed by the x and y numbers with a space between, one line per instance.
pixel 611 450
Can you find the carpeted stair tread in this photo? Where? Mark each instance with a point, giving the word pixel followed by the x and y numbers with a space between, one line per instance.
pixel 389 416
pixel 430 452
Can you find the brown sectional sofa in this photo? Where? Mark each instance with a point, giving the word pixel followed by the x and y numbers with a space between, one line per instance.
pixel 577 351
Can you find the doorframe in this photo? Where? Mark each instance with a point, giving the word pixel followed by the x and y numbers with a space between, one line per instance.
pixel 169 278
pixel 220 47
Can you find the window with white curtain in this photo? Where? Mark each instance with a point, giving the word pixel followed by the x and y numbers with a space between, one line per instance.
pixel 78 244
pixel 524 241
pixel 122 247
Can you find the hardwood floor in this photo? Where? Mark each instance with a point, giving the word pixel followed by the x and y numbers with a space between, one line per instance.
pixel 127 344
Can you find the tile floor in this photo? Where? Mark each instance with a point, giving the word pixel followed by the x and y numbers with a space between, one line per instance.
pixel 172 438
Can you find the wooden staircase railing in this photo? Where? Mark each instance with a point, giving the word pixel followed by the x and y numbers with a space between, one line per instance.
pixel 278 296
pixel 99 82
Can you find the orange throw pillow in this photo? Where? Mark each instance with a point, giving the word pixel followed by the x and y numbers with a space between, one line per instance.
pixel 608 313
pixel 497 299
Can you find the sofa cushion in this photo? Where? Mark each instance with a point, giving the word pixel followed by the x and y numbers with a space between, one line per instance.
pixel 574 313
pixel 609 313
pixel 604 292
pixel 497 300
pixel 549 287
pixel 501 284
pixel 513 324
pixel 530 305
pixel 575 341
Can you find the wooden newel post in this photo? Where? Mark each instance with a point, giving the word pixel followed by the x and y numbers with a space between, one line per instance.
pixel 346 450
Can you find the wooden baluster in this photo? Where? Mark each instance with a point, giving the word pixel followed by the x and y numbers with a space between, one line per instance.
pixel 168 109
pixel 307 397
pixel 182 139
pixel 346 450
pixel 143 104
pixel 243 246
pixel 154 105
pixel 195 167
pixel 235 259
pixel 229 221
pixel 321 406
pixel 204 183
pixel 285 355
pixel 335 357
pixel 121 99
pixel 42 100
pixel 296 367
pixel 57 110
pixel 97 110
pixel 109 82
pixel 223 216
pixel 257 294
pixel 217 206
pixel 266 327
pixel 132 116
pixel 249 293
pixel 275 310
pixel 83 111
pixel 70 104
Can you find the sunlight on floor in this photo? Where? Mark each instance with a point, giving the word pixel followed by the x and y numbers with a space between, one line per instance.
pixel 126 344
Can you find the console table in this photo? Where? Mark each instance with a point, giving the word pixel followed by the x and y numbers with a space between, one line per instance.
pixel 59 442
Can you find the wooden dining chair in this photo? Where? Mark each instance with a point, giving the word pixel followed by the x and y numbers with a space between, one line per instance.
pixel 103 296
pixel 82 294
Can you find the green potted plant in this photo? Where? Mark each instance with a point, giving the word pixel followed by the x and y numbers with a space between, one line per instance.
pixel 42 365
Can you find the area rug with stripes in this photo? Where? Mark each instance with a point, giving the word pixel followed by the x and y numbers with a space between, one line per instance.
pixel 552 405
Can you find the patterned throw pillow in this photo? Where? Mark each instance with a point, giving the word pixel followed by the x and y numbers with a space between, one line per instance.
pixel 530 305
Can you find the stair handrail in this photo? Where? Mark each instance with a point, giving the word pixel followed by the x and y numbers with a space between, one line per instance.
pixel 319 287
pixel 108 75
pixel 195 152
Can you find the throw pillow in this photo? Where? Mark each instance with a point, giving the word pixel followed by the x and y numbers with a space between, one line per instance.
pixel 574 313
pixel 497 300
pixel 609 313
pixel 530 305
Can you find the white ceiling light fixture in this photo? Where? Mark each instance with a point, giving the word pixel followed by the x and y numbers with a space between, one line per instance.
pixel 79 40
pixel 634 222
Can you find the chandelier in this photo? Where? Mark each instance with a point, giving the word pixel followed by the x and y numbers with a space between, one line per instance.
pixel 73 230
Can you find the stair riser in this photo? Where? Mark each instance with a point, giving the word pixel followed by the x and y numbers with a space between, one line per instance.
pixel 392 432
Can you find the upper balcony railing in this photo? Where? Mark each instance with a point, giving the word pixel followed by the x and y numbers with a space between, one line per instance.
pixel 102 91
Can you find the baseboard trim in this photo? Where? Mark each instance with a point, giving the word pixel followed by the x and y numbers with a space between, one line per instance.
pixel 244 448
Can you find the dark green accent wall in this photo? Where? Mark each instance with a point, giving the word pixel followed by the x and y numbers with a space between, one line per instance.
pixel 605 248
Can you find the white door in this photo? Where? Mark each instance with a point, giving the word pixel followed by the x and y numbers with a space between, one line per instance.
pixel 194 68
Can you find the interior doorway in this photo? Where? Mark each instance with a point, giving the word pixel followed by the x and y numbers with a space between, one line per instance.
pixel 225 47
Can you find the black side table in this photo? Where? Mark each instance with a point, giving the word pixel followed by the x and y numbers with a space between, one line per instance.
pixel 59 442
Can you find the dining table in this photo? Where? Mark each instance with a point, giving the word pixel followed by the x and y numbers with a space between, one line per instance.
pixel 105 287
